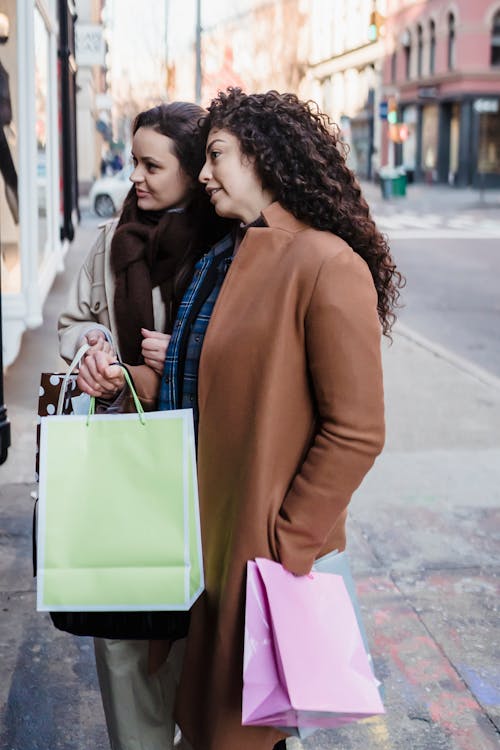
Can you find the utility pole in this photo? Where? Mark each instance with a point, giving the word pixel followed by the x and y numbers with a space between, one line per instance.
pixel 197 97
pixel 4 422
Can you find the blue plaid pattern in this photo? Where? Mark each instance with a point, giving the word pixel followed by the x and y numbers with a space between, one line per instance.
pixel 179 384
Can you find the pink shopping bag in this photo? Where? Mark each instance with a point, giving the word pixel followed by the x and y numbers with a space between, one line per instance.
pixel 305 664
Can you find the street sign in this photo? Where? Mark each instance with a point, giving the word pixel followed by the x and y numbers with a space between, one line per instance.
pixel 382 110
pixel 427 92
pixel 90 44
pixel 484 106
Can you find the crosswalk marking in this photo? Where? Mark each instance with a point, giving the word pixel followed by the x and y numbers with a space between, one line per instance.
pixel 407 225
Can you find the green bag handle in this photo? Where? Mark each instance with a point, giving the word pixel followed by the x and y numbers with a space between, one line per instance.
pixel 137 403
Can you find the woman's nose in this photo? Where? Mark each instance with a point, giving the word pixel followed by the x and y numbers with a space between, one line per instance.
pixel 136 175
pixel 205 173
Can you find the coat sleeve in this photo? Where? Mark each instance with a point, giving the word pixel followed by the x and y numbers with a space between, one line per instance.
pixel 343 335
pixel 86 305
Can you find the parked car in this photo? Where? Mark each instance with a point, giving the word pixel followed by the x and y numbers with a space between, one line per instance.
pixel 108 193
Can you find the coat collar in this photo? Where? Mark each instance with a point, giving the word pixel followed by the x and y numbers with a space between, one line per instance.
pixel 278 217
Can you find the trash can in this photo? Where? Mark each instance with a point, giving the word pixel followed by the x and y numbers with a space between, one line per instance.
pixel 399 185
pixel 392 182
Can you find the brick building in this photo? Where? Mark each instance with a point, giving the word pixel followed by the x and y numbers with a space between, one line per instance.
pixel 442 67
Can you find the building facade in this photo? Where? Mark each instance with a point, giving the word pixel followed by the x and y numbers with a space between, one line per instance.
pixel 319 49
pixel 93 104
pixel 344 73
pixel 30 189
pixel 442 68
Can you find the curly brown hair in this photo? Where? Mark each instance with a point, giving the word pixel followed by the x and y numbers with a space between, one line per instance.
pixel 300 158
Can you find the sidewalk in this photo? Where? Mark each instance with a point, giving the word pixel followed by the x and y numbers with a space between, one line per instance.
pixel 436 211
pixel 440 199
pixel 422 545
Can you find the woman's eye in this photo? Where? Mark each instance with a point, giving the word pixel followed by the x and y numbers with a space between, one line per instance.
pixel 214 154
pixel 151 167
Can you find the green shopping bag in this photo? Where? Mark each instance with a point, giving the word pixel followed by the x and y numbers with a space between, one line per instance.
pixel 118 523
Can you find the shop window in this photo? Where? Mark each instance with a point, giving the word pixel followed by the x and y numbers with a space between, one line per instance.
pixel 432 48
pixel 495 39
pixel 430 130
pixel 41 112
pixel 10 258
pixel 409 146
pixel 454 143
pixel 489 140
pixel 451 41
pixel 420 50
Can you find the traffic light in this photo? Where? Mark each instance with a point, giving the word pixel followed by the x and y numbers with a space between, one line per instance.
pixel 404 131
pixel 375 26
pixel 398 132
pixel 392 111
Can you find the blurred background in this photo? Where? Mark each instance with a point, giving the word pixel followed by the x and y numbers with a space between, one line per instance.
pixel 414 86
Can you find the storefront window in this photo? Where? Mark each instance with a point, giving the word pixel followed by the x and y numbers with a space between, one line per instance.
pixel 489 141
pixel 430 120
pixel 454 143
pixel 41 82
pixel 410 145
pixel 9 199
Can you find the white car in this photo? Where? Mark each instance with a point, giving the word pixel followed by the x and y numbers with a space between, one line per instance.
pixel 108 193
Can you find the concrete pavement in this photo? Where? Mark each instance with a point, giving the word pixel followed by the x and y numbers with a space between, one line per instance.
pixel 424 543
pixel 436 212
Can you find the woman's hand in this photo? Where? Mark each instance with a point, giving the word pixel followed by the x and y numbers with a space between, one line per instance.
pixel 154 349
pixel 98 342
pixel 98 376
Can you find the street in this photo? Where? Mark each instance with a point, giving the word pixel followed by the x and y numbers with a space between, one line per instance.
pixel 452 295
pixel 423 530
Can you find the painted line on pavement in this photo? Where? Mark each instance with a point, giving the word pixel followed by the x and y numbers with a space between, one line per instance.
pixel 476 372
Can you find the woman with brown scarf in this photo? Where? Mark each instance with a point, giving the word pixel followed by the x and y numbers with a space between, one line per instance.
pixel 123 303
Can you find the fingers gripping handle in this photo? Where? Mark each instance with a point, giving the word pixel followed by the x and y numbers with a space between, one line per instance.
pixel 74 364
pixel 137 403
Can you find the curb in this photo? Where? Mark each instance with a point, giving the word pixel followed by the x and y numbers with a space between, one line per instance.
pixel 474 371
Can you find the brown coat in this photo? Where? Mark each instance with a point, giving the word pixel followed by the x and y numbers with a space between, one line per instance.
pixel 291 420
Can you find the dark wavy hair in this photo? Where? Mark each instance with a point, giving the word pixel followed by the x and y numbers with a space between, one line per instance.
pixel 300 158
pixel 181 122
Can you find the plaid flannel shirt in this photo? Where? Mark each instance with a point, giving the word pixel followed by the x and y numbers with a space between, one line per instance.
pixel 179 383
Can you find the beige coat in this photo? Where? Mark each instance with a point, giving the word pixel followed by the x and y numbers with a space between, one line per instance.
pixel 291 420
pixel 90 305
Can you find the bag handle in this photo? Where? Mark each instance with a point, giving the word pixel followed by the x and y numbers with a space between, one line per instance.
pixel 137 403
pixel 74 364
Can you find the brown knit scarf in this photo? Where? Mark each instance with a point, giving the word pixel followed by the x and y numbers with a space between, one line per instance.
pixel 145 251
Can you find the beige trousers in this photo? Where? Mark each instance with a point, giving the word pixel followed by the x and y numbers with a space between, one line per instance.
pixel 138 706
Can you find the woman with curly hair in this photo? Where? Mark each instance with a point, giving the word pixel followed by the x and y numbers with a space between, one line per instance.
pixel 289 383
